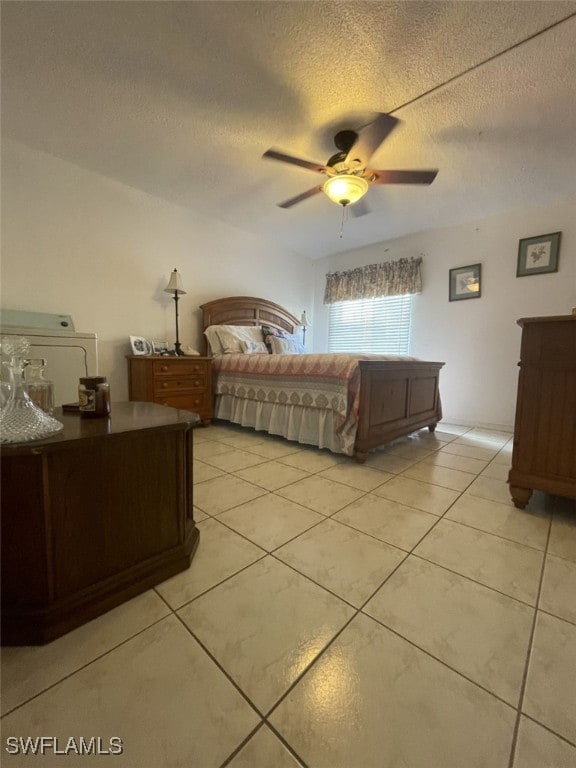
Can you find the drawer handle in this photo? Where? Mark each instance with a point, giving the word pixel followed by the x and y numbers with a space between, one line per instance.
pixel 164 368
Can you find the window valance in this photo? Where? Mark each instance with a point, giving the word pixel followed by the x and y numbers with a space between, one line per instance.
pixel 391 278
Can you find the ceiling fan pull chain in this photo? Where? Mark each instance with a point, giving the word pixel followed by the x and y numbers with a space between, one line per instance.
pixel 344 218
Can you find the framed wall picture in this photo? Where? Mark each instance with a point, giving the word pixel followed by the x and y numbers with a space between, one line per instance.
pixel 537 255
pixel 465 282
pixel 140 345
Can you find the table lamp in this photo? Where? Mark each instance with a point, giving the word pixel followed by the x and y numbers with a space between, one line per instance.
pixel 175 287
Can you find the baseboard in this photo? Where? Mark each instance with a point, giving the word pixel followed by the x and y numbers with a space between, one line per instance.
pixel 505 428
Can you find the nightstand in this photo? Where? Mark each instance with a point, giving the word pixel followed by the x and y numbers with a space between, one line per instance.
pixel 181 382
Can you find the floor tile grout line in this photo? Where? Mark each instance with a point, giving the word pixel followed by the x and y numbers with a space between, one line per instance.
pixel 215 661
pixel 219 583
pixel 352 618
pixel 439 660
pixel 242 744
pixel 264 715
pixel 278 735
pixel 284 741
pixel 423 650
pixel 564 558
pixel 420 540
pixel 366 493
pixel 491 533
pixel 414 644
pixel 87 664
pixel 556 616
pixel 312 663
pixel 524 681
pixel 413 553
pixel 304 447
pixel 550 730
pixel 474 581
pixel 322 586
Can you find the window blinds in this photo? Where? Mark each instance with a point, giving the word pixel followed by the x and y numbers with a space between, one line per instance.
pixel 378 326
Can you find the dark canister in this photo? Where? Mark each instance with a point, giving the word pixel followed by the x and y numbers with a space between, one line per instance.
pixel 94 396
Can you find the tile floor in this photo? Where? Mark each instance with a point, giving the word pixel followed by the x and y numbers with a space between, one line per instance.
pixel 399 614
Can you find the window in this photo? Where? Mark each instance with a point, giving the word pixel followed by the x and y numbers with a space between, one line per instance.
pixel 374 326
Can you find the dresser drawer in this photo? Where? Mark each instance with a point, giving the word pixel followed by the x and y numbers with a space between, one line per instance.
pixel 179 367
pixel 179 383
pixel 199 403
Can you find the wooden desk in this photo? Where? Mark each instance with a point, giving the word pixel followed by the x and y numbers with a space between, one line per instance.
pixel 93 516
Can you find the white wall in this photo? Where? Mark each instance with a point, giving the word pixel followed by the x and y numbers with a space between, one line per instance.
pixel 78 243
pixel 478 338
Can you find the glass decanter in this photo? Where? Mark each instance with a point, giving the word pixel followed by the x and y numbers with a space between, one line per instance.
pixel 20 419
pixel 40 390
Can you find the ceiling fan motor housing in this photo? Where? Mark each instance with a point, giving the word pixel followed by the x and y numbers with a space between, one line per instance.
pixel 344 140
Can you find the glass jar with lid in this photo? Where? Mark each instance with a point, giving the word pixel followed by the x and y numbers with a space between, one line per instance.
pixel 40 390
pixel 94 396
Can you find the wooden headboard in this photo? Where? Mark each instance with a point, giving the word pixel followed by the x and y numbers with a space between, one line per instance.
pixel 247 310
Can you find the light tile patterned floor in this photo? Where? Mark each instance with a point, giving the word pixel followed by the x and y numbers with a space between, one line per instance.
pixel 400 614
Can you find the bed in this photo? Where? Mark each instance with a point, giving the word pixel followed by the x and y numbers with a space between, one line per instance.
pixel 350 404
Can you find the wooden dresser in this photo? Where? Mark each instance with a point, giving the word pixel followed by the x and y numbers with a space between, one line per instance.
pixel 544 453
pixel 181 382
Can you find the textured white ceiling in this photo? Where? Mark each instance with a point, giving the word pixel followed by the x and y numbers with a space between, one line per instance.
pixel 180 99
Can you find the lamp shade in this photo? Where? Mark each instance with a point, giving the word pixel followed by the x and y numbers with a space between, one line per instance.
pixel 304 320
pixel 175 283
pixel 345 189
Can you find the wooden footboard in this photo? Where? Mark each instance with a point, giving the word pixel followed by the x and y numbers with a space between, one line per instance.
pixel 396 398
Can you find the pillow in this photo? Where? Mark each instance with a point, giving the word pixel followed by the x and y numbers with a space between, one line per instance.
pixel 269 332
pixel 213 341
pixel 289 346
pixel 231 335
pixel 253 347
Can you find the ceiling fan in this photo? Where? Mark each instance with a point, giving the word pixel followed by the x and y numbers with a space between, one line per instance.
pixel 349 176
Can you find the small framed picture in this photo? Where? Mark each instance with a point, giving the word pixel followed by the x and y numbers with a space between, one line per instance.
pixel 465 282
pixel 140 345
pixel 537 255
pixel 159 347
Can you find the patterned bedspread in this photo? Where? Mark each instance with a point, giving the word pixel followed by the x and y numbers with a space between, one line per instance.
pixel 320 381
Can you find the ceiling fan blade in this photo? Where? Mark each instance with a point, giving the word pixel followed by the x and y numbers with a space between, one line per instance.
pixel 273 154
pixel 302 196
pixel 369 139
pixel 404 177
pixel 361 208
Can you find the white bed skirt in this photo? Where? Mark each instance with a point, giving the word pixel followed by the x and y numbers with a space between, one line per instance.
pixel 310 426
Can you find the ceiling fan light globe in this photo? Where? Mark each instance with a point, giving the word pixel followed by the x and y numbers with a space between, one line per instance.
pixel 345 189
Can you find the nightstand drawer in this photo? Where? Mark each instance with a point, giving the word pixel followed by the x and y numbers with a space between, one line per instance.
pixel 175 384
pixel 179 367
